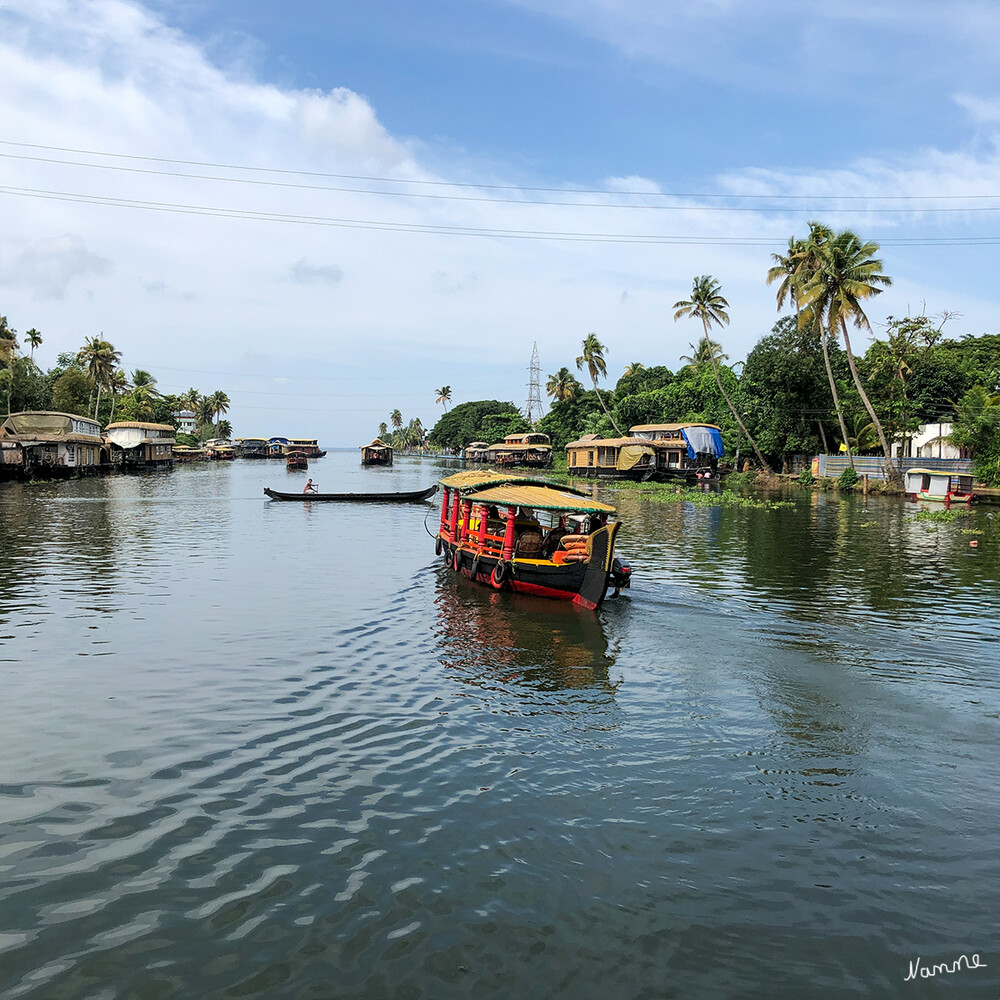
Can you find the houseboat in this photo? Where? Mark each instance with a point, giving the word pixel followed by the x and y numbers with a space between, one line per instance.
pixel 308 446
pixel 277 447
pixel 296 460
pixel 137 445
pixel 532 451
pixel 650 451
pixel 45 443
pixel 250 447
pixel 942 487
pixel 475 451
pixel 376 453
pixel 530 537
pixel 185 453
pixel 219 450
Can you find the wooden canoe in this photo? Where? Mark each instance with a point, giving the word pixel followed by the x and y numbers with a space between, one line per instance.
pixel 410 497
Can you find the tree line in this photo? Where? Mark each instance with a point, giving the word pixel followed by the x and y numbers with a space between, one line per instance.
pixel 803 389
pixel 91 382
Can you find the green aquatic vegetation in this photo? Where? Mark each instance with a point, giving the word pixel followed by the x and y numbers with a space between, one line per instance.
pixel 671 493
pixel 971 531
pixel 867 524
pixel 942 516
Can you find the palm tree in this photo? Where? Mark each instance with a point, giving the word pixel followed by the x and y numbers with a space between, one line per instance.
pixel 794 270
pixel 708 305
pixel 34 338
pixel 703 354
pixel 99 359
pixel 846 271
pixel 143 379
pixel 190 400
pixel 396 418
pixel 205 413
pixel 8 348
pixel 118 385
pixel 383 430
pixel 220 404
pixel 225 430
pixel 593 359
pixel 562 385
pixel 443 396
pixel 633 368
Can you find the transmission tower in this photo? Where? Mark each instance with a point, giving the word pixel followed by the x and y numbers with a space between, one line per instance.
pixel 533 410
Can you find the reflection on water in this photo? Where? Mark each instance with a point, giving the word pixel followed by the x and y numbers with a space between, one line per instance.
pixel 492 637
pixel 279 751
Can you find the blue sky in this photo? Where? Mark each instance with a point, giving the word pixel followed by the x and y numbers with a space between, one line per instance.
pixel 328 285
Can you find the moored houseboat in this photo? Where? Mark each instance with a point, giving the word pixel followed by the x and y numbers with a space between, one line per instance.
pixel 530 451
pixel 939 486
pixel 41 443
pixel 185 453
pixel 308 446
pixel 475 451
pixel 137 445
pixel 530 536
pixel 277 447
pixel 219 450
pixel 296 460
pixel 650 451
pixel 376 453
pixel 250 447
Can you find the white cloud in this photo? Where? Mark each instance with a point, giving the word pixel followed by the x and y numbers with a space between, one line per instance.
pixel 48 267
pixel 433 305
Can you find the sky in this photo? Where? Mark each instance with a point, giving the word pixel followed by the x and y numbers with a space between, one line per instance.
pixel 330 208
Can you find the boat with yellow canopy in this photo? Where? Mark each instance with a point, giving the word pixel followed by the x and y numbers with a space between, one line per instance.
pixel 530 536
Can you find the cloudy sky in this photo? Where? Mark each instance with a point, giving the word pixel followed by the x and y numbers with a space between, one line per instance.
pixel 330 209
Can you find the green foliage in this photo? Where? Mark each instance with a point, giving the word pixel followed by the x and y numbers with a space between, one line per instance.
pixel 463 423
pixel 187 439
pixel 976 428
pixel 945 516
pixel 72 392
pixel 806 478
pixel 668 493
pixel 644 380
pixel 496 426
pixel 567 418
pixel 848 479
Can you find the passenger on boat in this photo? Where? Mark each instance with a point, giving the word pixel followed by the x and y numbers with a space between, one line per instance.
pixel 309 488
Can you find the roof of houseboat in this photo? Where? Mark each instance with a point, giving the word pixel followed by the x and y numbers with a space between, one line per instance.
pixel 473 479
pixel 591 441
pixel 670 427
pixel 937 472
pixel 539 498
pixel 139 425
pixel 377 443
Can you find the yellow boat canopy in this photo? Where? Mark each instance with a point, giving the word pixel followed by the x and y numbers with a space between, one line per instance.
pixel 540 498
pixel 473 479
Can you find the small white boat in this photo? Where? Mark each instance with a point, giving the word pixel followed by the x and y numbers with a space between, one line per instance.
pixel 944 487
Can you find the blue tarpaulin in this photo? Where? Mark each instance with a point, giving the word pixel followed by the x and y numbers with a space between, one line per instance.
pixel 703 441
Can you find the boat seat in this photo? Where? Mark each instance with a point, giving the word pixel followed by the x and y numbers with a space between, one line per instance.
pixel 528 544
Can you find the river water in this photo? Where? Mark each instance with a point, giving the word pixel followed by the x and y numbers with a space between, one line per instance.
pixel 253 749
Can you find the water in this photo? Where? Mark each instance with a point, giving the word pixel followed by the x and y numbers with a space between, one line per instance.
pixel 254 749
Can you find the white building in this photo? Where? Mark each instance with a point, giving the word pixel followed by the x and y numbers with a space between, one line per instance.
pixel 929 441
pixel 187 423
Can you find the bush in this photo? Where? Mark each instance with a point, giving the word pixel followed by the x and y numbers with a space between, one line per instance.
pixel 806 478
pixel 848 479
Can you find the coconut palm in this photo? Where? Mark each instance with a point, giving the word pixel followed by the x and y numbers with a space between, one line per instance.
pixel 220 404
pixel 794 270
pixel 396 419
pixel 708 305
pixel 99 359
pixel 34 338
pixel 443 396
pixel 593 359
pixel 703 353
pixel 190 400
pixel 845 272
pixel 205 413
pixel 563 385
pixel 143 379
pixel 224 430
pixel 634 368
pixel 118 385
pixel 383 430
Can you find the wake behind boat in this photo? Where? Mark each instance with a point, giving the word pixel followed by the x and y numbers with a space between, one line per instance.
pixel 411 497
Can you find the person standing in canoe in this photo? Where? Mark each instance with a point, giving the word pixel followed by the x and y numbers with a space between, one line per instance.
pixel 309 488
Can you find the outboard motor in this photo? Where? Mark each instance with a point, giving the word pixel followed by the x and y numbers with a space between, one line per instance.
pixel 621 574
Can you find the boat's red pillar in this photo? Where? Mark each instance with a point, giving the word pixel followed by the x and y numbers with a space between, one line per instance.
pixel 482 527
pixel 445 496
pixel 466 517
pixel 454 516
pixel 508 538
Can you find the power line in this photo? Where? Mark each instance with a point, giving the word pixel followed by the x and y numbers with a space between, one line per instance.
pixel 558 204
pixel 481 186
pixel 443 230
